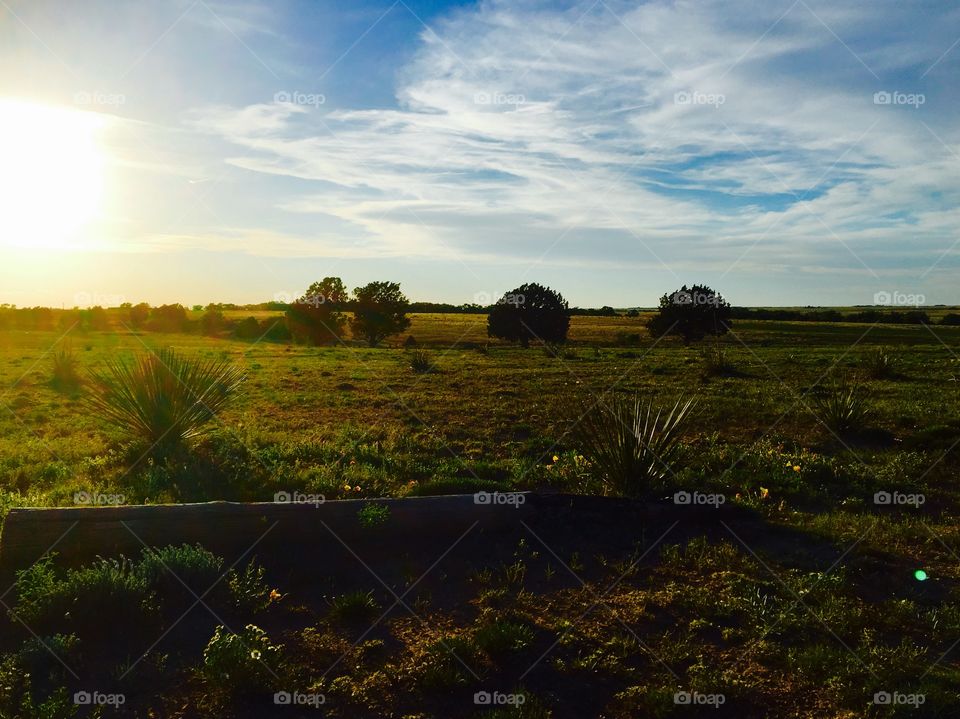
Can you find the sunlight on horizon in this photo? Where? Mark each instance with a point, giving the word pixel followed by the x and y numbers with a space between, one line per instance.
pixel 51 175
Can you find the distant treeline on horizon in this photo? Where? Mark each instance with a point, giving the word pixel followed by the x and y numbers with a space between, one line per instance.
pixel 211 321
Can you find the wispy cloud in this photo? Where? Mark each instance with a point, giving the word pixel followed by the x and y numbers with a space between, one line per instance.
pixel 664 129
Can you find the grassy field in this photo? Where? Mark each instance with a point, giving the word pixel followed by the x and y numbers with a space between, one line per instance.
pixel 810 615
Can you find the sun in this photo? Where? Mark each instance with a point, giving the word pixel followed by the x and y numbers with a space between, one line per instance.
pixel 51 175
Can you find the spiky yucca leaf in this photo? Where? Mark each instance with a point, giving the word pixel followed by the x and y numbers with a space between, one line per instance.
pixel 163 397
pixel 629 443
pixel 844 407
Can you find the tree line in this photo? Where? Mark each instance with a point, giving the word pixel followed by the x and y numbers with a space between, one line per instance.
pixel 378 310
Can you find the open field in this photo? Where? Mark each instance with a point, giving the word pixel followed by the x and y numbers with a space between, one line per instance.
pixel 817 586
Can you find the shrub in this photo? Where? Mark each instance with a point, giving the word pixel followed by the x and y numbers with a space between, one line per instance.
pixel 66 376
pixel 629 444
pixel 249 589
pixel 530 312
pixel 844 407
pixel 164 398
pixel 168 569
pixel 104 601
pixel 420 362
pixel 692 313
pixel 244 662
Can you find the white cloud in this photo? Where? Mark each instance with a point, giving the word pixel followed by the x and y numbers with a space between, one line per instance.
pixel 522 128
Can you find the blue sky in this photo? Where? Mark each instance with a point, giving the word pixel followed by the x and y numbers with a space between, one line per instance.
pixel 614 150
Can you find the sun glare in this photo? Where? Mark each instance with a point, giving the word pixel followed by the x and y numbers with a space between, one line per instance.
pixel 51 175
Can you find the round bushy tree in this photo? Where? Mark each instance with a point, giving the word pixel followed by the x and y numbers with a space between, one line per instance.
pixel 317 317
pixel 379 310
pixel 692 313
pixel 530 312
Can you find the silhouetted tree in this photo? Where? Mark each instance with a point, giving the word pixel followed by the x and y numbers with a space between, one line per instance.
pixel 317 317
pixel 379 310
pixel 530 312
pixel 692 313
pixel 168 318
pixel 139 314
pixel 212 323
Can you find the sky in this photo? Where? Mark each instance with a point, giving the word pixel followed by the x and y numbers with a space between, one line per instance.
pixel 785 152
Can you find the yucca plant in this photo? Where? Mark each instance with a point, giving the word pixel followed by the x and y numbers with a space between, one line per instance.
pixel 630 443
pixel 66 375
pixel 420 362
pixel 844 407
pixel 164 398
pixel 881 363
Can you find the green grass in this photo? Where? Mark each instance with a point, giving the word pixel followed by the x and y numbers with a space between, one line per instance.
pixel 348 421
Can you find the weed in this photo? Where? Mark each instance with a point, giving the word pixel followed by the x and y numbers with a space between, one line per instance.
pixel 354 607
